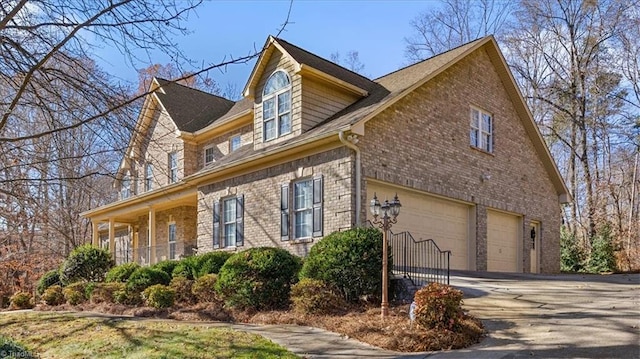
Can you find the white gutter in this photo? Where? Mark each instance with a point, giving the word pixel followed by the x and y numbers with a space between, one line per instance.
pixel 350 142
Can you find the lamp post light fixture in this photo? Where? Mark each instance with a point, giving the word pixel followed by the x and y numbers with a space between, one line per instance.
pixel 384 216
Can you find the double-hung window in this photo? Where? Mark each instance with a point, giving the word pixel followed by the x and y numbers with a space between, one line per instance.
pixel 301 218
pixel 481 135
pixel 125 190
pixel 276 106
pixel 228 219
pixel 235 142
pixel 148 177
pixel 172 241
pixel 173 167
pixel 208 155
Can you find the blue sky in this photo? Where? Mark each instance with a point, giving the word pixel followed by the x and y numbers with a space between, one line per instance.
pixel 376 29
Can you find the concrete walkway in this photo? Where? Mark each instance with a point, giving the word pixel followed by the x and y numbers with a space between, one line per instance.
pixel 527 316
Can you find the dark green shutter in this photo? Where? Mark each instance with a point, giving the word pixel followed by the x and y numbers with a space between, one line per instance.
pixel 240 221
pixel 284 212
pixel 216 224
pixel 317 206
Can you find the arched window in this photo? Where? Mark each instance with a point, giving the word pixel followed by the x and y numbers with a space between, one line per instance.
pixel 276 106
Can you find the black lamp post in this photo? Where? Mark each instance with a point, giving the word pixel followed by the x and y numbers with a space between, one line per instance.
pixel 384 216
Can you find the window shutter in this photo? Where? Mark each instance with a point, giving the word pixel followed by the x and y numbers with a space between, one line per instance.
pixel 284 212
pixel 240 221
pixel 216 224
pixel 317 206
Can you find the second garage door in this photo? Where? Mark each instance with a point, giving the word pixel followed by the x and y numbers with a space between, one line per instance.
pixel 502 241
pixel 424 216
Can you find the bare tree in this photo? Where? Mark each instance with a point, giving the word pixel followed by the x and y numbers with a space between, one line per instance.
pixel 350 61
pixel 453 23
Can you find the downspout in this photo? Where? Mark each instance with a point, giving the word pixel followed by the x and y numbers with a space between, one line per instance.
pixel 350 142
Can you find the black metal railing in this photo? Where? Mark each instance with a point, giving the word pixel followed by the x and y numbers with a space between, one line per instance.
pixel 421 261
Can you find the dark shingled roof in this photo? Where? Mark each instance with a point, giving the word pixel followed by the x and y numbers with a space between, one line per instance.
pixel 303 56
pixel 189 108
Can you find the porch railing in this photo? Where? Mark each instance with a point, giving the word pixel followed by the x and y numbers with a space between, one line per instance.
pixel 421 261
pixel 145 255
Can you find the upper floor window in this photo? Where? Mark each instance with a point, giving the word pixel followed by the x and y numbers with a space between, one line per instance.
pixel 125 190
pixel 208 155
pixel 276 106
pixel 148 177
pixel 481 135
pixel 173 167
pixel 234 143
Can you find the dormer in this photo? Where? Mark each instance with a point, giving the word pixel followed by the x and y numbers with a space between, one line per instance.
pixel 293 91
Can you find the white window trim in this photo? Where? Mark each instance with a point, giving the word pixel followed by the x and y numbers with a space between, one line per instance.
pixel 277 115
pixel 125 190
pixel 226 222
pixel 148 176
pixel 170 242
pixel 309 209
pixel 204 155
pixel 173 170
pixel 480 130
pixel 239 137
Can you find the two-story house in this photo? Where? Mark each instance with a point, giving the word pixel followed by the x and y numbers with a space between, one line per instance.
pixel 304 151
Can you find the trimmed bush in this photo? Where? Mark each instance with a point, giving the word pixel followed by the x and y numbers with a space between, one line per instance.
pixel 211 262
pixel 74 293
pixel 53 295
pixel 21 300
pixel 159 296
pixel 121 273
pixel 47 280
pixel 438 306
pixel 86 263
pixel 349 261
pixel 258 278
pixel 183 288
pixel 11 349
pixel 145 277
pixel 186 267
pixel 105 292
pixel 314 296
pixel 127 296
pixel 166 266
pixel 204 288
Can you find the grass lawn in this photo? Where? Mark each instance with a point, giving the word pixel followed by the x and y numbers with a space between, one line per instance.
pixel 56 335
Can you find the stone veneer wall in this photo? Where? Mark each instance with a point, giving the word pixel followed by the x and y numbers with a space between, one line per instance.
pixel 261 190
pixel 426 137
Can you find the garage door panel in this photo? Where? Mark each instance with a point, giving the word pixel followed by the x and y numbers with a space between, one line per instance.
pixel 428 217
pixel 502 241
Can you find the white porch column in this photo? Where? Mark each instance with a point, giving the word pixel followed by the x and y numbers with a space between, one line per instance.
pixel 95 236
pixel 112 237
pixel 152 235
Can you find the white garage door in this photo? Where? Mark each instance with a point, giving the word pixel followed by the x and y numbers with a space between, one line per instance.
pixel 428 217
pixel 502 241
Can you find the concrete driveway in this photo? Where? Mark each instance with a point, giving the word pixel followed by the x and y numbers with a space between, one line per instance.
pixel 552 316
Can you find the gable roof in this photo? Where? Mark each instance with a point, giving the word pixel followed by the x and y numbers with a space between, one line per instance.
pixel 189 108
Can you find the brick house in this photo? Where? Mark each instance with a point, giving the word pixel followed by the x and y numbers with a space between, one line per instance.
pixel 304 151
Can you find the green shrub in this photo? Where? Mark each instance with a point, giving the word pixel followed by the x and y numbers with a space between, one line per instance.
pixel 349 261
pixel 602 258
pixel 74 293
pixel 166 266
pixel 571 256
pixel 159 296
pixel 314 296
pixel 145 277
pixel 21 300
pixel 47 280
pixel 53 295
pixel 183 288
pixel 86 263
pixel 121 273
pixel 11 349
pixel 127 296
pixel 105 292
pixel 186 267
pixel 258 278
pixel 438 306
pixel 211 262
pixel 204 288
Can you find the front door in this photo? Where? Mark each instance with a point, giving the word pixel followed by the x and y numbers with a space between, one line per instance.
pixel 535 246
